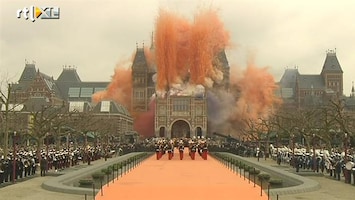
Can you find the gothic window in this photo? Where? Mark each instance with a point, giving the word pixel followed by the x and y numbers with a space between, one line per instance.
pixel 199 110
pixel 181 105
pixel 139 95
pixel 161 110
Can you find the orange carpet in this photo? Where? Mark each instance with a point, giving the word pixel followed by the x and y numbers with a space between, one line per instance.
pixel 177 179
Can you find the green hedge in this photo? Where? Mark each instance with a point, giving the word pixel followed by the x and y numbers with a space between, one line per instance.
pixel 264 177
pixel 119 165
pixel 98 175
pixel 275 181
pixel 115 167
pixel 248 168
pixel 236 163
pixel 107 171
pixel 256 172
pixel 85 182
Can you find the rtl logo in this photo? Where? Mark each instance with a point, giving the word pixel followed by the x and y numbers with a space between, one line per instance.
pixel 34 12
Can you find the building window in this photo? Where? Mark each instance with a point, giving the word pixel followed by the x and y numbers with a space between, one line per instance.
pixel 139 80
pixel 98 89
pixel 181 105
pixel 86 92
pixel 73 92
pixel 138 95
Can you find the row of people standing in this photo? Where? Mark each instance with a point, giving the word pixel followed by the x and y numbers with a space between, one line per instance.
pixel 13 169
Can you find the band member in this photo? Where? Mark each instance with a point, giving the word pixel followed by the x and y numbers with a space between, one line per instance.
pixel 170 149
pixel 204 150
pixel 181 149
pixel 157 151
pixel 192 150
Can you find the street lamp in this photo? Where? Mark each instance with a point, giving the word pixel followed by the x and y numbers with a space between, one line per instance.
pixel 293 150
pixel 277 144
pixel 346 157
pixel 47 150
pixel 68 135
pixel 14 158
pixel 345 147
pixel 314 152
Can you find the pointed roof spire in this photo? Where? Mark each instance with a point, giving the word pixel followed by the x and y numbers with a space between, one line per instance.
pixel 69 74
pixel 139 59
pixel 331 63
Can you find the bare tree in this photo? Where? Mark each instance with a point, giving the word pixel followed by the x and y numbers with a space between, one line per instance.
pixel 8 114
pixel 41 124
pixel 5 101
pixel 343 120
pixel 268 126
pixel 82 123
pixel 327 125
pixel 59 125
pixel 286 122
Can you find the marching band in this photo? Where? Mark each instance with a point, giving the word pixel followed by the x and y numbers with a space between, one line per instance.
pixel 163 146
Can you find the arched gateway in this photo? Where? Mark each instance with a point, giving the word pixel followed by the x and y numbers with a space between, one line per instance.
pixel 181 116
pixel 180 129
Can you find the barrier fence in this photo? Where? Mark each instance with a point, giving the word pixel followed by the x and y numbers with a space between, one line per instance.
pixel 115 172
pixel 128 165
pixel 234 164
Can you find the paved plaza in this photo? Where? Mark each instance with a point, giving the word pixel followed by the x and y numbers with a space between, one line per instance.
pixel 330 189
pixel 31 189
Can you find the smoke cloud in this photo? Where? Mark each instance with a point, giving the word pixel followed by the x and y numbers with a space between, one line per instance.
pixel 186 59
pixel 120 88
pixel 251 96
pixel 185 50
pixel 144 123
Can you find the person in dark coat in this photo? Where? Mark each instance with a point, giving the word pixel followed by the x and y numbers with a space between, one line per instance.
pixel 43 165
pixel 297 163
pixel 2 170
pixel 338 169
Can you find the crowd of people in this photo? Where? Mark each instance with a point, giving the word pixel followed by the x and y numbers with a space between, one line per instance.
pixel 332 162
pixel 27 162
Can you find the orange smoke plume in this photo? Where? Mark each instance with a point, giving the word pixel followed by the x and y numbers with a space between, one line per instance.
pixel 144 123
pixel 257 94
pixel 208 38
pixel 251 96
pixel 185 50
pixel 166 40
pixel 120 88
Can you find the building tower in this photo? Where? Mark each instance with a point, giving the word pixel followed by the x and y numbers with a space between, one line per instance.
pixel 143 86
pixel 333 73
pixel 221 63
